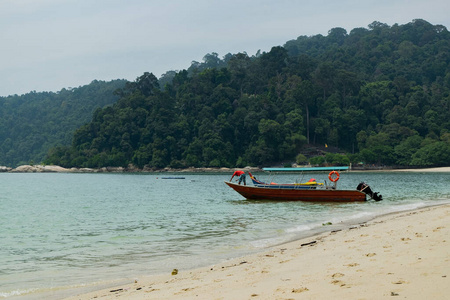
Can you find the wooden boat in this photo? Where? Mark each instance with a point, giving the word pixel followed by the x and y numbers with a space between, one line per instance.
pixel 291 194
pixel 299 192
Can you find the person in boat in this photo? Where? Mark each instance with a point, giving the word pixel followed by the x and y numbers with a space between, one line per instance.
pixel 241 175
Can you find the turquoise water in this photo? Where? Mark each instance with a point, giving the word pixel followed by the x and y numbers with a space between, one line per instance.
pixel 62 231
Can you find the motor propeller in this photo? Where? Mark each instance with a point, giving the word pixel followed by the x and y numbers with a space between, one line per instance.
pixel 365 188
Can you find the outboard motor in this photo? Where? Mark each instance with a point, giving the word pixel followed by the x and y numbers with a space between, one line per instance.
pixel 365 188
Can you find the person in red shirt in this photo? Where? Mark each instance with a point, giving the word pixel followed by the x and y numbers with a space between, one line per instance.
pixel 241 175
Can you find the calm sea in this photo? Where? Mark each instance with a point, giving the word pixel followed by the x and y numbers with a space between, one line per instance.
pixel 64 231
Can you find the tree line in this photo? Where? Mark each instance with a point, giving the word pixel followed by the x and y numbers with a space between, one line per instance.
pixel 379 94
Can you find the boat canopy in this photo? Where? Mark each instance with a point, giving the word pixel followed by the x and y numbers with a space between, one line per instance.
pixel 306 169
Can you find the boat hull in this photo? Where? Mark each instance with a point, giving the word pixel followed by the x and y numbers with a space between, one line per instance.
pixel 314 195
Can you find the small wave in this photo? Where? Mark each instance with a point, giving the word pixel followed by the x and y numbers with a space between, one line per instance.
pixel 353 217
pixel 269 242
pixel 405 207
pixel 16 293
pixel 412 206
pixel 300 228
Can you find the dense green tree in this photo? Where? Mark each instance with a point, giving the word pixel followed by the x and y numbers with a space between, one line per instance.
pixel 405 150
pixel 435 154
pixel 33 123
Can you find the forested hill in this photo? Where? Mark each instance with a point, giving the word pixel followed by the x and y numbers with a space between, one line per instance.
pixel 31 124
pixel 380 94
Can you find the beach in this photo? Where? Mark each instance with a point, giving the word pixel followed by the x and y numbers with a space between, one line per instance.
pixel 426 170
pixel 404 255
pixel 422 170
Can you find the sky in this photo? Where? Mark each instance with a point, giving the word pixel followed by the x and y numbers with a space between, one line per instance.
pixel 47 45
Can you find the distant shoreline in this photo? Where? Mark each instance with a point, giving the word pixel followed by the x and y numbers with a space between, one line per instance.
pixel 58 169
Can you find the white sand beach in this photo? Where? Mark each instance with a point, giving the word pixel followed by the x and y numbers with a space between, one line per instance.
pixel 404 255
pixel 441 169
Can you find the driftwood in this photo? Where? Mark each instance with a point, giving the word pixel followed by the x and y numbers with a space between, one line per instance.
pixel 310 243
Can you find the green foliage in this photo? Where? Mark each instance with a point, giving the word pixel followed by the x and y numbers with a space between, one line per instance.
pixel 301 159
pixel 337 159
pixel 405 150
pixel 317 160
pixel 33 123
pixel 381 94
pixel 435 154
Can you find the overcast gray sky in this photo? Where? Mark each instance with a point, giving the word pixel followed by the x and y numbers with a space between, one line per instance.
pixel 47 45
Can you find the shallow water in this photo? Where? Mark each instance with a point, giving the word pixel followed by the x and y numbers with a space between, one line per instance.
pixel 70 230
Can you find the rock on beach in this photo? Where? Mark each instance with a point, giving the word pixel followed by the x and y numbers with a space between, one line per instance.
pixel 39 169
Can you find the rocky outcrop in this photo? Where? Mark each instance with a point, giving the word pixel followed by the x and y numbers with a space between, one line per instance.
pixel 39 169
pixel 4 169
pixel 129 169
